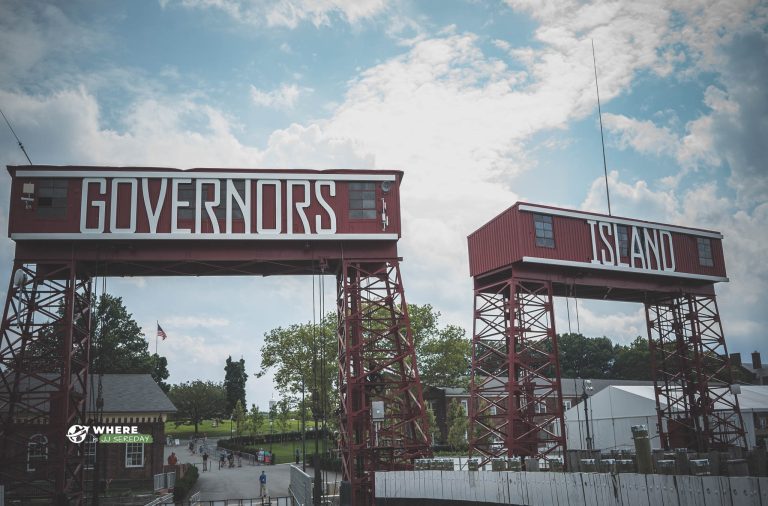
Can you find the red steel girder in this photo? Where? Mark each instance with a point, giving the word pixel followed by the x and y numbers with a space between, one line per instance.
pixel 44 353
pixel 377 362
pixel 692 376
pixel 516 407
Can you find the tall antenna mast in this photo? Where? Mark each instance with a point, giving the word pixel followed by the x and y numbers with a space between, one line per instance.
pixel 17 137
pixel 602 139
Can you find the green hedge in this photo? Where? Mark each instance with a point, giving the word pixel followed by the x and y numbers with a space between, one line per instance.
pixel 184 485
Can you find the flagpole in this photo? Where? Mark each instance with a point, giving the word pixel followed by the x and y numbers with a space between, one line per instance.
pixel 156 336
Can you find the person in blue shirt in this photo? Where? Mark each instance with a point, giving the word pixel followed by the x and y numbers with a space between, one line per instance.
pixel 263 483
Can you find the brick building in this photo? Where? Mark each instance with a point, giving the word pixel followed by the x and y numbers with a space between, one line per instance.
pixel 129 399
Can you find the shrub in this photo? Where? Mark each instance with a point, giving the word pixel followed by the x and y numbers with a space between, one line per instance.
pixel 184 485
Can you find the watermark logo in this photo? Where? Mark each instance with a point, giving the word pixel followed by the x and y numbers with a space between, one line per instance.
pixel 77 433
pixel 108 434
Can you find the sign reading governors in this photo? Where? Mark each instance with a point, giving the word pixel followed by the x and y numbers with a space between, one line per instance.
pixel 234 205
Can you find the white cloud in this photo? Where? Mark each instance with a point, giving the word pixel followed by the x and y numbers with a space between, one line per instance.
pixel 38 34
pixel 745 241
pixel 621 322
pixel 284 97
pixel 642 135
pixel 290 13
pixel 693 149
pixel 195 321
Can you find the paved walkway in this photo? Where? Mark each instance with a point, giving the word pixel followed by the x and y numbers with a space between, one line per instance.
pixel 234 483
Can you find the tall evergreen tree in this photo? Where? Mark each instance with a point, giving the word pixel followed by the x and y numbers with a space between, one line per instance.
pixel 234 382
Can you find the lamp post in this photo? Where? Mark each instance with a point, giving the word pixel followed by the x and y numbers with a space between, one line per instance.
pixel 586 386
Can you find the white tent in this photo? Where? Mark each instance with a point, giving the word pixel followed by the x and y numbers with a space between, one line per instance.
pixel 614 410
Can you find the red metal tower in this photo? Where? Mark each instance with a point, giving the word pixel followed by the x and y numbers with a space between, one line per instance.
pixel 43 374
pixel 692 375
pixel 383 423
pixel 529 253
pixel 74 223
pixel 516 407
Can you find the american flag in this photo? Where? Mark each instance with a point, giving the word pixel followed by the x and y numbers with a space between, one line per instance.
pixel 161 332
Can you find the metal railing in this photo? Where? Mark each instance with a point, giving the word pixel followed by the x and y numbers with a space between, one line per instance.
pixel 165 499
pixel 256 501
pixel 165 481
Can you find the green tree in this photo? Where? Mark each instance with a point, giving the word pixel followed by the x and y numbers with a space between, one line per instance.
pixel 235 378
pixel 424 320
pixel 238 416
pixel 118 345
pixel 255 420
pixel 300 355
pixel 283 415
pixel 457 426
pixel 198 400
pixel 444 358
pixel 160 371
pixel 633 362
pixel 585 357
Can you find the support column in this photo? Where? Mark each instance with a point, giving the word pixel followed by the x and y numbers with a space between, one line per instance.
pixel 516 407
pixel 44 352
pixel 695 403
pixel 377 363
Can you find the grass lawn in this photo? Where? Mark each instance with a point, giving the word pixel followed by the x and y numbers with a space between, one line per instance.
pixel 223 430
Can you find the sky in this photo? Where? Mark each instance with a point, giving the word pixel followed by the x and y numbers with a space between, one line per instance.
pixel 480 103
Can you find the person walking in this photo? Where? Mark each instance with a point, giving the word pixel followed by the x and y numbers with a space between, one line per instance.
pixel 297 456
pixel 205 461
pixel 263 484
pixel 172 459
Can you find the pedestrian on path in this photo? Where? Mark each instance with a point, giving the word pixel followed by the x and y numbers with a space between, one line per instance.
pixel 205 461
pixel 263 484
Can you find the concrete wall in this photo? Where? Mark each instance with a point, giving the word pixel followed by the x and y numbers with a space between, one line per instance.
pixel 420 488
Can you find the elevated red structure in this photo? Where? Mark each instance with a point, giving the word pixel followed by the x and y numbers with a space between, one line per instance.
pixel 529 253
pixel 71 224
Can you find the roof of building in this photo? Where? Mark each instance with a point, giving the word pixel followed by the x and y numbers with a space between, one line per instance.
pixel 571 387
pixel 751 398
pixel 122 393
pixel 129 393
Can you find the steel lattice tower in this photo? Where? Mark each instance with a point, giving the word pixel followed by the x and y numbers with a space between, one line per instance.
pixel 692 375
pixel 43 380
pixel 516 399
pixel 377 362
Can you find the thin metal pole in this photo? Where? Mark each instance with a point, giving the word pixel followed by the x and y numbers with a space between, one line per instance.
pixel 602 138
pixel 584 398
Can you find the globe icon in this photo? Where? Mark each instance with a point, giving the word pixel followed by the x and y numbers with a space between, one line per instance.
pixel 77 433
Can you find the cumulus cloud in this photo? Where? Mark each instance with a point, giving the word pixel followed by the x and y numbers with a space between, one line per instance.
pixel 195 321
pixel 37 33
pixel 289 13
pixel 284 97
pixel 745 240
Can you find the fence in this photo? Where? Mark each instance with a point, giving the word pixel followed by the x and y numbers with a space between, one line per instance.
pixel 165 481
pixel 258 501
pixel 574 489
pixel 300 487
pixel 165 499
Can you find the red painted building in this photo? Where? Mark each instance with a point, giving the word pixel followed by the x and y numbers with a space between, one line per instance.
pixel 600 256
pixel 530 253
pixel 121 215
pixel 71 224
